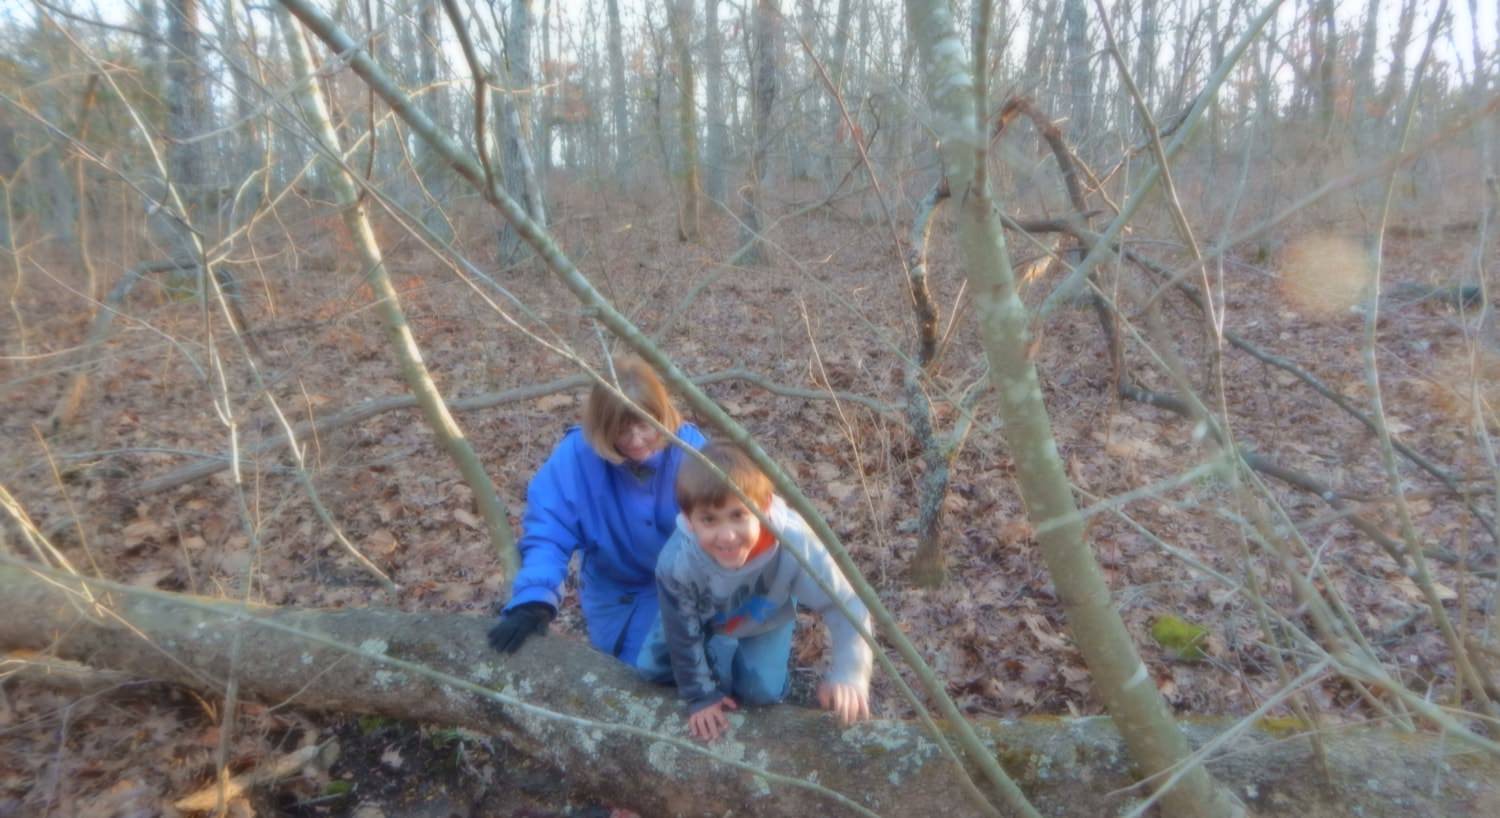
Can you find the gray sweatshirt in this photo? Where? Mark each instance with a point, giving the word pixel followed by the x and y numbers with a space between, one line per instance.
pixel 700 598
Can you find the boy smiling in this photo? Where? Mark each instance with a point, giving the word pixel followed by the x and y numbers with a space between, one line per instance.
pixel 729 590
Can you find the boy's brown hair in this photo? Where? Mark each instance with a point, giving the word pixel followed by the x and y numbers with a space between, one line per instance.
pixel 605 415
pixel 696 485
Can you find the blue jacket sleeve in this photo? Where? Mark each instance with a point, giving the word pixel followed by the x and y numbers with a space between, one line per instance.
pixel 550 530
pixel 691 435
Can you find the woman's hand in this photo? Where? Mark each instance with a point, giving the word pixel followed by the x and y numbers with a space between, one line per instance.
pixel 519 624
pixel 850 702
pixel 710 722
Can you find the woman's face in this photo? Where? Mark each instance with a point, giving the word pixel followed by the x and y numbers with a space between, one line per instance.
pixel 637 441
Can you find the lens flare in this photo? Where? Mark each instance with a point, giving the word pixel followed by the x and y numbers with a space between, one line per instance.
pixel 1322 275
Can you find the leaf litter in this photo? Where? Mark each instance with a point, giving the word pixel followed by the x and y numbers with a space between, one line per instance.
pixel 997 631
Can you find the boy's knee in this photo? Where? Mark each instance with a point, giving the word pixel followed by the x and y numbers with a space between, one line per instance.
pixel 655 674
pixel 757 687
pixel 653 665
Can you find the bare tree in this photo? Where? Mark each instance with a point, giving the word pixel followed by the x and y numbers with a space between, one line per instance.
pixel 516 155
pixel 680 21
pixel 185 121
pixel 618 93
pixel 765 55
pixel 714 158
pixel 1080 97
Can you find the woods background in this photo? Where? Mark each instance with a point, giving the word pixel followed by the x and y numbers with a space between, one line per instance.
pixel 1109 342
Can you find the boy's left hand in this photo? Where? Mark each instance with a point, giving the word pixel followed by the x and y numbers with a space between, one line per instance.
pixel 850 702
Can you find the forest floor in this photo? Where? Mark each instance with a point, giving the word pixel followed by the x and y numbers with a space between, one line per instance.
pixel 831 310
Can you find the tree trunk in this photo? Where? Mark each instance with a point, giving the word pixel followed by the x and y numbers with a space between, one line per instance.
pixel 518 169
pixel 1395 81
pixel 1080 96
pixel 834 123
pixel 430 167
pixel 1364 64
pixel 714 158
pixel 680 21
pixel 185 111
pixel 928 567
pixel 1145 55
pixel 403 343
pixel 150 25
pixel 249 152
pixel 1036 46
pixel 1220 37
pixel 618 94
pixel 763 96
pixel 613 736
pixel 1122 680
pixel 551 80
pixel 1328 69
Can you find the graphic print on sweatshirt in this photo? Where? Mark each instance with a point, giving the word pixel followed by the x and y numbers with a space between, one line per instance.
pixel 747 604
pixel 756 609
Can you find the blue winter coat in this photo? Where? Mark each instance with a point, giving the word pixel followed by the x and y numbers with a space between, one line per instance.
pixel 618 517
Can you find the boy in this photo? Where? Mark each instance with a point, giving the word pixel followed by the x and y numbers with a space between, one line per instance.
pixel 729 590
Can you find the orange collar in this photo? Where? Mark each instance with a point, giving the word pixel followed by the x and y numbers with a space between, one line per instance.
pixel 766 542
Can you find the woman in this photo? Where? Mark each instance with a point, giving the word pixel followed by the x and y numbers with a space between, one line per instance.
pixel 606 490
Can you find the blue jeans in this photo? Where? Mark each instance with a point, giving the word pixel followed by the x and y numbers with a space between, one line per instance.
pixel 753 670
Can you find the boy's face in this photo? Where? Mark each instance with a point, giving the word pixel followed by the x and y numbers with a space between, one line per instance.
pixel 727 531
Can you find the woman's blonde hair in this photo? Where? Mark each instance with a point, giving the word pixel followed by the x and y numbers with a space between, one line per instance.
pixel 605 415
pixel 697 485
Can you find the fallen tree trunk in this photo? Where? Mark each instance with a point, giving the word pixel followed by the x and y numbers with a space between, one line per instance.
pixel 599 741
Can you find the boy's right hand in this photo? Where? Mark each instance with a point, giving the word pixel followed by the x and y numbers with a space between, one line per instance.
pixel 710 722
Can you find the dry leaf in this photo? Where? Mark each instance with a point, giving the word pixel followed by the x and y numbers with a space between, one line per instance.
pixel 842 491
pixel 1410 590
pixel 151 579
pixel 1015 530
pixel 734 407
pixel 468 519
pixel 381 541
pixel 554 402
pixel 1043 632
pixel 207 798
pixel 142 530
pixel 392 758
pixel 1126 448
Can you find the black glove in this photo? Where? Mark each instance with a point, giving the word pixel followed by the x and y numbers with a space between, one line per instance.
pixel 519 623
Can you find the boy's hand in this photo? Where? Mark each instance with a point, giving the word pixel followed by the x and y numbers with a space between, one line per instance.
pixel 851 703
pixel 710 722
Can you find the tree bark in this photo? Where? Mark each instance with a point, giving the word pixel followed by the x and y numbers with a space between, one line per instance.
pixel 836 75
pixel 430 167
pixel 185 109
pixel 1145 55
pixel 618 94
pixel 763 95
pixel 438 669
pixel 1395 81
pixel 1080 96
pixel 680 20
pixel 718 139
pixel 518 168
